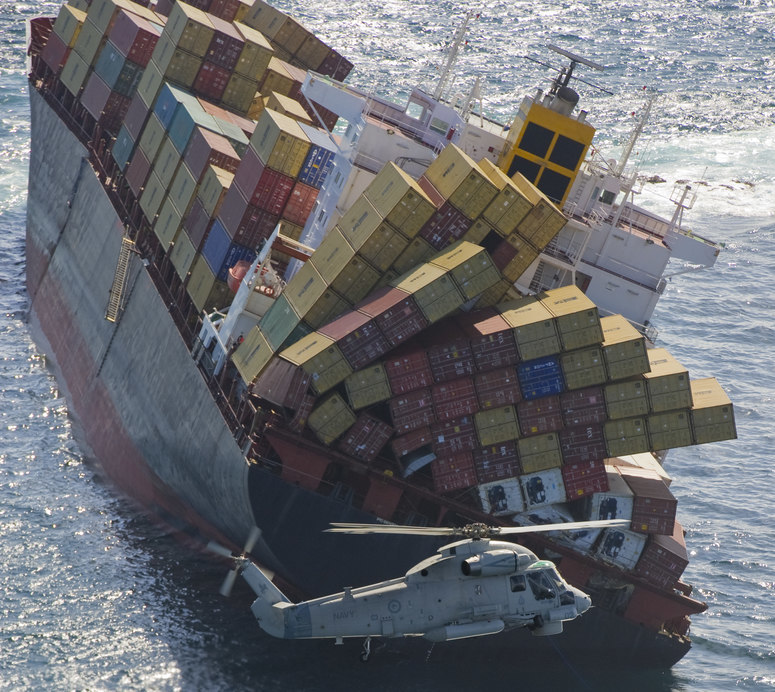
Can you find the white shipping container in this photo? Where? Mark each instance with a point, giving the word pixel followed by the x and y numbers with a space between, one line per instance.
pixel 543 488
pixel 614 504
pixel 621 547
pixel 581 540
pixel 502 497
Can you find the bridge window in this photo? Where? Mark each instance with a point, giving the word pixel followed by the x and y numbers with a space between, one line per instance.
pixel 553 184
pixel 527 168
pixel 536 140
pixel 567 152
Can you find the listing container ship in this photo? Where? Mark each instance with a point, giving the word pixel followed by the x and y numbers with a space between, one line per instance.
pixel 275 300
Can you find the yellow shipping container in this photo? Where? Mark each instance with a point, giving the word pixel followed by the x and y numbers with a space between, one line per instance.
pixel 577 318
pixel 276 76
pixel 285 105
pixel 417 252
pixel 264 18
pixel 330 418
pixel 399 200
pixel 543 212
pixel 667 382
pixel 182 254
pixel 305 288
pixel 321 358
pixel 383 247
pixel 280 143
pixel 712 413
pixel 167 224
pixel 359 222
pixel 356 280
pixel 509 206
pixel 332 255
pixel 190 29
pixel 312 52
pixel 583 367
pixel 626 436
pixel 478 231
pixel 368 386
pixel 183 189
pixel 325 309
pixel 166 163
pixel 470 267
pixel 494 295
pixel 252 355
pixel 152 196
pixel 89 42
pixel 291 35
pixel 624 348
pixel 183 68
pixel 256 53
pixel 539 452
pixel 74 73
pixel 433 289
pixel 496 425
pixel 669 429
pixel 68 24
pixel 627 398
pixel 206 292
pixel 213 188
pixel 240 93
pixel 534 327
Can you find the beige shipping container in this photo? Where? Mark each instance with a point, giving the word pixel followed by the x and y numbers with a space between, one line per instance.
pixel 539 452
pixel 305 288
pixel 359 222
pixel 68 24
pixel 285 105
pixel 152 137
pixel 332 255
pixel 280 143
pixel 669 429
pixel 168 223
pixel 182 254
pixel 183 68
pixel 624 348
pixel 577 318
pixel 470 267
pixel 183 188
pixel 356 280
pixel 264 18
pixel 331 418
pixel 383 247
pixel 329 306
pixel 583 367
pixel 417 252
pixel 102 12
pixel 150 84
pixel 312 52
pixel 291 35
pixel 213 188
pixel 399 200
pixel 627 398
pixel 544 218
pixel 519 264
pixel 494 295
pixel 509 206
pixel 667 382
pixel 89 42
pixel 167 160
pixel 712 413
pixel 496 425
pixel 240 93
pixel 252 355
pixel 152 196
pixel 626 436
pixel 478 231
pixel 255 55
pixel 433 289
pixel 74 73
pixel 276 76
pixel 206 292
pixel 190 29
pixel 534 327
pixel 368 386
pixel 320 358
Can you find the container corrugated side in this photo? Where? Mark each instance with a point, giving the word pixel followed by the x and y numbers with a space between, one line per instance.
pixel 712 413
pixel 321 358
pixel 331 418
pixel 543 488
pixel 252 355
pixel 626 436
pixel 583 367
pixel 667 382
pixel 367 386
pixel 624 348
pixel 577 318
pixel 497 425
pixel 534 328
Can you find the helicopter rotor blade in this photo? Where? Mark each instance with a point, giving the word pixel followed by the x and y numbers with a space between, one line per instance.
pixel 252 539
pixel 565 526
pixel 228 583
pixel 343 527
pixel 219 549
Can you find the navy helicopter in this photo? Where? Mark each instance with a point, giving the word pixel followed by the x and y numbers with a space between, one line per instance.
pixel 471 588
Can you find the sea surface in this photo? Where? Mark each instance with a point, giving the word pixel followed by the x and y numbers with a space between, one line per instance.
pixel 95 597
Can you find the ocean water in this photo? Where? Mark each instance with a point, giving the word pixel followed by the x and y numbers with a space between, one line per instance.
pixel 95 597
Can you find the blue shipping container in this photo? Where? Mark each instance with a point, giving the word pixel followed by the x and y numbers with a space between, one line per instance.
pixel 186 118
pixel 320 158
pixel 540 377
pixel 234 254
pixel 123 148
pixel 109 64
pixel 216 246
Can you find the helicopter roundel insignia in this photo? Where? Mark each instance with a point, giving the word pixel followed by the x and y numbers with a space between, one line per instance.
pixel 394 606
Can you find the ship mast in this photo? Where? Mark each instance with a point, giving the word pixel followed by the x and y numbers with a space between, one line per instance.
pixel 634 137
pixel 454 49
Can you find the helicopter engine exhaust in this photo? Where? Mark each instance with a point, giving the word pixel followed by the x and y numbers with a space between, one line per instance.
pixel 491 564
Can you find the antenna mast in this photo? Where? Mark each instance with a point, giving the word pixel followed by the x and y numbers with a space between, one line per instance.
pixel 634 136
pixel 454 49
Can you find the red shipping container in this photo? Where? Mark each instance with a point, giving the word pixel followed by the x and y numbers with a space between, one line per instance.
pixel 205 148
pixel 583 406
pixel 496 462
pixel 95 95
pixel 503 254
pixel 664 559
pixel 197 223
pixel 55 53
pixel 211 80
pixel 226 44
pixel 454 436
pixel 137 171
pixel 540 415
pixel 134 37
pixel 411 441
pixel 136 115
pixel 299 421
pixel 358 337
pixel 408 370
pixel 454 399
pixel 584 478
pixel 366 437
pixel 654 506
pixel 256 225
pixel 453 472
pixel 449 352
pixel 272 191
pixel 445 226
pixel 282 383
pixel 300 203
pixel 411 411
pixel 397 314
pixel 336 66
pixel 583 443
pixel 492 340
pixel 497 388
pixel 430 190
pixel 114 112
pixel 225 9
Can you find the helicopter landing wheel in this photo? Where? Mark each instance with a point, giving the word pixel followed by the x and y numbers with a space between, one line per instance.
pixel 366 650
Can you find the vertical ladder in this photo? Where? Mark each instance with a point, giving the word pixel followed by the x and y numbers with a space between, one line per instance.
pixel 119 280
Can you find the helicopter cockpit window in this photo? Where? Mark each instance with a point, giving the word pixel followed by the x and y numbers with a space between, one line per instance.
pixel 541 585
pixel 566 597
pixel 518 583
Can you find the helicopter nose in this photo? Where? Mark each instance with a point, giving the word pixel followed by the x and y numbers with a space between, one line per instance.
pixel 583 602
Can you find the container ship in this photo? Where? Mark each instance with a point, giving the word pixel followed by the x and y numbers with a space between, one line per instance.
pixel 275 300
